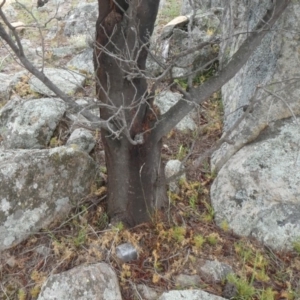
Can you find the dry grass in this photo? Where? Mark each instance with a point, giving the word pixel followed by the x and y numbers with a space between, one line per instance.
pixel 175 242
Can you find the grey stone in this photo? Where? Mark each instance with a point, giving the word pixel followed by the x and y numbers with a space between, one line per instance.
pixel 93 282
pixel 39 187
pixel 63 51
pixel 257 191
pixel 189 294
pixel 68 81
pixel 176 39
pixel 146 292
pixel 216 270
pixel 188 5
pixel 5 88
pixel 10 12
pixel 173 167
pixel 126 252
pixel 273 61
pixel 254 191
pixel 184 280
pixel 166 100
pixel 82 20
pixel 83 61
pixel 43 250
pixel 83 139
pixel 90 104
pixel 29 124
pixel 179 21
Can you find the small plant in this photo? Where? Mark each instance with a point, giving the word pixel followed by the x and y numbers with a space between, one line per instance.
pixel 119 226
pixel 182 83
pixel 199 240
pixel 80 238
pixel 178 233
pixel 245 252
pixel 224 225
pixel 103 220
pixel 296 246
pixel 245 289
pixel 261 275
pixel 208 216
pixel 193 201
pixel 267 294
pixel 55 142
pixel 212 239
pixel 182 152
pixel 35 291
pixel 21 295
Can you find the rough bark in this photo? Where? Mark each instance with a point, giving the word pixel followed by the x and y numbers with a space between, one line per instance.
pixel 134 169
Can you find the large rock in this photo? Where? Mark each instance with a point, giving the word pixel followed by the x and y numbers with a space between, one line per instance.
pixel 83 61
pixel 5 88
pixel 38 187
pixel 166 100
pixel 188 6
pixel 257 191
pixel 173 167
pixel 215 270
pixel 274 62
pixel 82 20
pixel 175 38
pixel 83 139
pixel 94 282
pixel 189 294
pixel 68 81
pixel 29 124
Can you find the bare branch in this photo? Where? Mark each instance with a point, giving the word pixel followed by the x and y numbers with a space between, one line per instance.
pixel 202 93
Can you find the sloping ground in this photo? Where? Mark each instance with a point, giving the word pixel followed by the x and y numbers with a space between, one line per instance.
pixel 176 242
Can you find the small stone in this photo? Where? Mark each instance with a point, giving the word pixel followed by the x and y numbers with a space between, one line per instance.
pixel 126 252
pixel 43 250
pixel 184 280
pixel 83 139
pixel 229 291
pixel 146 292
pixel 216 270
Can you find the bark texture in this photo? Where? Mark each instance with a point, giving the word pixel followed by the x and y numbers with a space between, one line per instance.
pixel 135 175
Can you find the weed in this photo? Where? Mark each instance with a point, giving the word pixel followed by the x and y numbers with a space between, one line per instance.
pixel 199 240
pixel 244 251
pixel 119 227
pixel 80 238
pixel 103 220
pixel 212 239
pixel 34 292
pixel 224 225
pixel 182 83
pixel 267 294
pixel 103 169
pixel 21 294
pixel 193 201
pixel 55 142
pixel 261 275
pixel 182 152
pixel 245 289
pixel 296 246
pixel 208 216
pixel 178 233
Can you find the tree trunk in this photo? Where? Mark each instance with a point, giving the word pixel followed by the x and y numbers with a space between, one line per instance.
pixel 135 180
pixel 135 177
